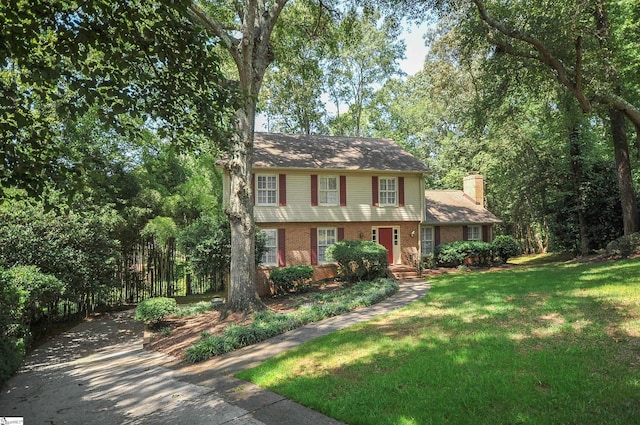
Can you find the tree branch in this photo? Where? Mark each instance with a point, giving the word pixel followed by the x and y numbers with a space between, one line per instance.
pixel 216 28
pixel 563 75
pixel 631 112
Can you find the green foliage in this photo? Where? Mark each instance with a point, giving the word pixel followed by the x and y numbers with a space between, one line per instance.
pixel 462 252
pixel 292 91
pixel 14 330
pixel 12 352
pixel 291 279
pixel 207 242
pixel 505 247
pixel 161 229
pixel 26 295
pixel 267 324
pixel 599 203
pixel 41 292
pixel 78 248
pixel 365 53
pixel 359 260
pixel 154 310
pixel 135 61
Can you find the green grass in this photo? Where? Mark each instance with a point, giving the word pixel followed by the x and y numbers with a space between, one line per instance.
pixel 552 344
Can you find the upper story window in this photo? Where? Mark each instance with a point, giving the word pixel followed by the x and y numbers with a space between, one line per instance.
pixel 270 255
pixel 267 189
pixel 474 233
pixel 328 190
pixel 388 191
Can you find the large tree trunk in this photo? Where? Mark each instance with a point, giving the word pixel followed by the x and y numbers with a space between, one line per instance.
pixel 252 55
pixel 623 165
pixel 572 79
pixel 242 294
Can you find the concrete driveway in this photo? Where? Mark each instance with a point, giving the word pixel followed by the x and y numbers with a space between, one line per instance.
pixel 98 373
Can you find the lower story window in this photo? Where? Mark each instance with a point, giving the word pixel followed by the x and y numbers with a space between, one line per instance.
pixel 427 240
pixel 270 255
pixel 475 233
pixel 326 237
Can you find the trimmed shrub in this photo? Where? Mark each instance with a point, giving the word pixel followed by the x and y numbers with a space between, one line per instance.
pixel 13 325
pixel 41 291
pixel 464 252
pixel 505 247
pixel 291 279
pixel 154 310
pixel 359 260
pixel 12 351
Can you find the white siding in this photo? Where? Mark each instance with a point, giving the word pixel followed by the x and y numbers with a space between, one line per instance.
pixel 359 203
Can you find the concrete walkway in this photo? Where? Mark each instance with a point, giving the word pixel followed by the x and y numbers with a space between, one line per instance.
pixel 98 372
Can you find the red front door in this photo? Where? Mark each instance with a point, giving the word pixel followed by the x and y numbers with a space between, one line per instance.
pixel 385 238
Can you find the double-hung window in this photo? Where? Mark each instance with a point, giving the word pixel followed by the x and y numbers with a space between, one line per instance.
pixel 474 233
pixel 326 237
pixel 427 240
pixel 328 190
pixel 388 191
pixel 270 255
pixel 267 189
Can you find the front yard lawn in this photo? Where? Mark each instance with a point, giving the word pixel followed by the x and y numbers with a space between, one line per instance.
pixel 552 344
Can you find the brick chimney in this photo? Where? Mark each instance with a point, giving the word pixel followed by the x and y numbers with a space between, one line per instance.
pixel 473 188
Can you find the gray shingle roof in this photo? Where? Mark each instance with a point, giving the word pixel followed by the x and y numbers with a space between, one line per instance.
pixel 330 152
pixel 453 207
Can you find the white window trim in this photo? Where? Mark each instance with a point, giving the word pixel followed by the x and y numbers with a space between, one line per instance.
pixel 267 189
pixel 427 244
pixel 475 228
pixel 386 191
pixel 321 253
pixel 336 191
pixel 269 248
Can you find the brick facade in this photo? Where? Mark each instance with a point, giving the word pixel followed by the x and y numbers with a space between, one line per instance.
pixel 450 234
pixel 298 245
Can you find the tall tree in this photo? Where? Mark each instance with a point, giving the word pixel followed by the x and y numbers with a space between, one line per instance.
pixel 294 84
pixel 573 40
pixel 136 62
pixel 253 22
pixel 365 55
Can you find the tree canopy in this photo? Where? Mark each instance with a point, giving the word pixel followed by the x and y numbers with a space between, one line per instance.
pixel 140 64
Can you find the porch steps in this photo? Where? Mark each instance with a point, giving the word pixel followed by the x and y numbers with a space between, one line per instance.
pixel 402 272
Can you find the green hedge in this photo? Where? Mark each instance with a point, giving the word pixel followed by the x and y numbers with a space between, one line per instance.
pixel 291 279
pixel 359 260
pixel 154 310
pixel 26 296
pixel 476 253
pixel 464 252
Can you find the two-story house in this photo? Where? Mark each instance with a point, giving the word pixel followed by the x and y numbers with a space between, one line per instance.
pixel 311 191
